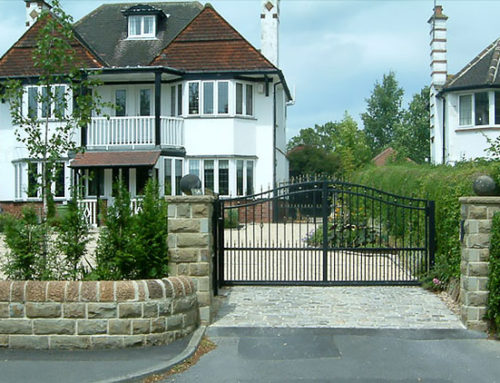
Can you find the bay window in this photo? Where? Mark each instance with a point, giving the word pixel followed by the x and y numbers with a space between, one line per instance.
pixel 194 98
pixel 208 97
pixel 223 97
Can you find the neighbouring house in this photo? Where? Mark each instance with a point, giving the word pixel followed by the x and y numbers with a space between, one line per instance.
pixel 191 96
pixel 465 107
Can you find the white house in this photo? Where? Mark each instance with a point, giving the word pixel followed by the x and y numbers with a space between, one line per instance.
pixel 465 107
pixel 191 95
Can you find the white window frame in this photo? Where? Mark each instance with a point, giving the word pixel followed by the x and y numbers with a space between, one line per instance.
pixel 244 112
pixel 201 98
pixel 39 106
pixel 173 189
pixel 141 34
pixel 22 181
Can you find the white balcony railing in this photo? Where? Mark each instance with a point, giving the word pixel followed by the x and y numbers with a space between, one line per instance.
pixel 88 207
pixel 138 131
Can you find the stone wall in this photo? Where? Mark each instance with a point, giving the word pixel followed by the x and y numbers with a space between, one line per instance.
pixel 477 213
pixel 190 246
pixel 106 314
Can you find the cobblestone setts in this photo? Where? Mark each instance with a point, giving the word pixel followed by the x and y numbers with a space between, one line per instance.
pixel 343 307
pixel 105 314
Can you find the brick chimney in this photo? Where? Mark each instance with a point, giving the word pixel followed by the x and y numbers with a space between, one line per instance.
pixel 439 63
pixel 270 21
pixel 33 10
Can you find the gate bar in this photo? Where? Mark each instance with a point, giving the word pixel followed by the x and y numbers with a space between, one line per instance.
pixel 324 213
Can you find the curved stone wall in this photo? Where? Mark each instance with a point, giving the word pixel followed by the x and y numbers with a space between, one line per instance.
pixel 101 314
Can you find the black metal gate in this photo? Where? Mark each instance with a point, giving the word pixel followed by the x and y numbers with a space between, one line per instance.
pixel 323 233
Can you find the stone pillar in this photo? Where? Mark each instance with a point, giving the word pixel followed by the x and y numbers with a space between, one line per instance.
pixel 477 213
pixel 190 246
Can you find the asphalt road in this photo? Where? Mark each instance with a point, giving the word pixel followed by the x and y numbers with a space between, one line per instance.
pixel 346 356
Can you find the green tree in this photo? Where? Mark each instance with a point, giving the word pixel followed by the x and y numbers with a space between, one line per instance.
pixel 383 113
pixel 412 136
pixel 311 160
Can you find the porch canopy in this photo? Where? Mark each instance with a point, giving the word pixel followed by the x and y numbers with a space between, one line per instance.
pixel 115 159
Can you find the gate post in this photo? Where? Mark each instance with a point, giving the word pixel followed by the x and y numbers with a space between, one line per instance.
pixel 431 215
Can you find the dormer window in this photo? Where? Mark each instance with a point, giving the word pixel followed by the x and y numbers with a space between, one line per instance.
pixel 142 26
pixel 143 21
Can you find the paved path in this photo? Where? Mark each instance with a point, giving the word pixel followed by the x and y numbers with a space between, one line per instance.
pixel 334 307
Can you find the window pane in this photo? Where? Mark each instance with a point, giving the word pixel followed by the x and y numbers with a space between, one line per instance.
pixel 145 102
pixel 135 25
pixel 239 99
pixel 149 25
pixel 250 178
pixel 194 95
pixel 172 101
pixel 121 102
pixel 59 101
pixel 178 176
pixel 497 108
pixel 208 97
pixel 32 180
pixel 465 110
pixel 208 174
pixel 168 176
pixel 59 180
pixel 141 178
pixel 194 167
pixel 223 177
pixel 32 102
pixel 179 99
pixel 249 100
pixel 45 103
pixel 482 108
pixel 96 182
pixel 223 93
pixel 239 177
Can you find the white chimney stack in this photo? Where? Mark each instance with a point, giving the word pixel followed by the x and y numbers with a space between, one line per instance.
pixel 33 10
pixel 439 63
pixel 270 21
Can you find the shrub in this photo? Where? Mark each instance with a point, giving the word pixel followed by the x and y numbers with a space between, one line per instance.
pixel 493 312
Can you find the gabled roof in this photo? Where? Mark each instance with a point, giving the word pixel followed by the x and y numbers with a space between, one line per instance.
pixel 210 43
pixel 106 29
pixel 18 60
pixel 481 72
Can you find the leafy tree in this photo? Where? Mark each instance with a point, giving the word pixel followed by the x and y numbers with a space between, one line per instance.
pixel 384 113
pixel 412 136
pixel 310 160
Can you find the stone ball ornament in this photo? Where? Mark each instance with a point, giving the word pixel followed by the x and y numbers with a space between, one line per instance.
pixel 190 184
pixel 484 185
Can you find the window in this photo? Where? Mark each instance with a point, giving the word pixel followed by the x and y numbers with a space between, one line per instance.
pixel 482 108
pixel 120 175
pixel 239 98
pixel 44 104
pixel 168 176
pixel 141 26
pixel 60 102
pixel 224 177
pixel 178 176
pixel 250 189
pixel 249 100
pixel 59 178
pixel 497 108
pixel 208 98
pixel 95 184
pixel 172 100
pixel 141 179
pixel 145 102
pixel 244 99
pixel 194 167
pixel 223 97
pixel 465 110
pixel 33 102
pixel 179 100
pixel 121 102
pixel 208 174
pixel 239 177
pixel 33 180
pixel 194 97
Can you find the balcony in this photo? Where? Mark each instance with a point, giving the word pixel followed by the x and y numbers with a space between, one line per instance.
pixel 134 132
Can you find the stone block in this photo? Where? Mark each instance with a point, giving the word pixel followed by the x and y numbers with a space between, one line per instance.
pixel 205 226
pixel 182 269
pixel 119 326
pixel 481 326
pixel 471 227
pixel 88 291
pixel 92 327
pixel 101 310
pixel 204 298
pixel 476 212
pixel 478 269
pixel 73 291
pixel 201 211
pixel 141 326
pixel 155 289
pixel 184 255
pixel 169 288
pixel 205 315
pixel 134 341
pixel 130 310
pixel 205 255
pixel 30 342
pixel 4 310
pixel 55 291
pixel 43 310
pixel 171 211
pixel 17 291
pixel 74 310
pixel 4 341
pixel 476 299
pixel 125 291
pixel 5 291
pixel 184 226
pixel 16 310
pixel 16 326
pixel 150 310
pixel 165 308
pixel 174 322
pixel 36 291
pixel 155 339
pixel 141 290
pixel 105 342
pixel 478 241
pixel 199 269
pixel 191 318
pixel 183 211
pixel 172 240
pixel 492 210
pixel 484 226
pixel 177 286
pixel 193 240
pixel 106 291
pixel 54 326
pixel 203 284
pixel 158 325
pixel 69 342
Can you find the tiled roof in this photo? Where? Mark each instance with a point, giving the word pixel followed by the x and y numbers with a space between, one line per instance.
pixel 114 47
pixel 210 43
pixel 482 71
pixel 115 159
pixel 18 61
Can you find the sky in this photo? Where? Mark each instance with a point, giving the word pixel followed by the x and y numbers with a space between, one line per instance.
pixel 333 51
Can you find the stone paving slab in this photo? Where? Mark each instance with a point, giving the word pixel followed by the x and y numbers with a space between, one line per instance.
pixel 334 307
